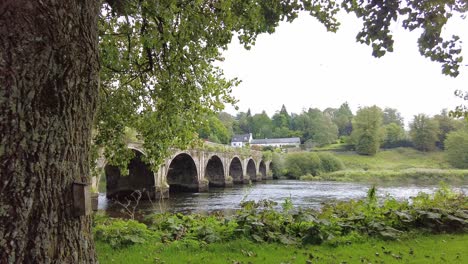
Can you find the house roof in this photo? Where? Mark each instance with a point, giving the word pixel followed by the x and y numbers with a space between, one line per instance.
pixel 294 140
pixel 241 138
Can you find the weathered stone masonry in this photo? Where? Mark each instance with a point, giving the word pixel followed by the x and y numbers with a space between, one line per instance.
pixel 184 171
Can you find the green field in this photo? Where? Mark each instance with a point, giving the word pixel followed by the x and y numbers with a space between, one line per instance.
pixel 418 249
pixel 407 176
pixel 405 165
pixel 394 159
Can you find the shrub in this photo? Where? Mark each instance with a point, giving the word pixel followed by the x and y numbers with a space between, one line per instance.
pixel 267 155
pixel 309 163
pixel 278 165
pixel 330 162
pixel 302 163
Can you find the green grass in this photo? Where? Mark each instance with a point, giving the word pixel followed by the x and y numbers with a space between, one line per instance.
pixel 332 147
pixel 394 159
pixel 406 176
pixel 417 249
pixel 405 165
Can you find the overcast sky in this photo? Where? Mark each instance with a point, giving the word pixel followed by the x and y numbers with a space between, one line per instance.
pixel 302 65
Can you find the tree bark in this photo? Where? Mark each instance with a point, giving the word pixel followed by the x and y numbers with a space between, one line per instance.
pixel 49 77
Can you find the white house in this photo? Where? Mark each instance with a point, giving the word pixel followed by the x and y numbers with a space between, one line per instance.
pixel 239 141
pixel 242 140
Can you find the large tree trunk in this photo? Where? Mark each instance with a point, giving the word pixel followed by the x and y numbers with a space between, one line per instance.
pixel 49 80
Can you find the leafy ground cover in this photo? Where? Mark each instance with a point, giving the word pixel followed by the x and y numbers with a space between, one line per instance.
pixel 290 235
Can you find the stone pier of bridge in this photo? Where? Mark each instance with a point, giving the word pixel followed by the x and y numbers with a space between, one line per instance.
pixel 193 170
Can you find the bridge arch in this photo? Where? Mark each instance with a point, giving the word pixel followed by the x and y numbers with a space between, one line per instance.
pixel 262 170
pixel 140 178
pixel 214 171
pixel 182 175
pixel 235 170
pixel 251 170
pixel 184 170
pixel 270 169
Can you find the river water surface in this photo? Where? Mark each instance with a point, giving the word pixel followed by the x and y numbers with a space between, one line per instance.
pixel 303 194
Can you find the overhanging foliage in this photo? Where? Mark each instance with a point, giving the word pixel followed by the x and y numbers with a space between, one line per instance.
pixel 157 57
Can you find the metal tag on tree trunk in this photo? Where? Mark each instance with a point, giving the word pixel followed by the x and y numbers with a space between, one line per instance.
pixel 82 199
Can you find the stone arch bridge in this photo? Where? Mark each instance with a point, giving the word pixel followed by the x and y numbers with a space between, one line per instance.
pixel 192 170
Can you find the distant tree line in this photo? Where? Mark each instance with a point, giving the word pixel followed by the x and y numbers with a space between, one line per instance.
pixel 314 126
pixel 366 132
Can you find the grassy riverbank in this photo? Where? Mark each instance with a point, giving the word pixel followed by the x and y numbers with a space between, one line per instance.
pixel 402 165
pixel 414 249
pixel 394 159
pixel 406 176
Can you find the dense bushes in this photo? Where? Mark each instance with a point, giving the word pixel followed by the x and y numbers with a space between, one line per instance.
pixel 330 162
pixel 310 163
pixel 302 163
pixel 278 165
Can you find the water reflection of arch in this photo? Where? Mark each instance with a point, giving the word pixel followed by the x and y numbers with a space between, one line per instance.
pixel 182 174
pixel 140 178
pixel 262 170
pixel 236 170
pixel 214 171
pixel 251 170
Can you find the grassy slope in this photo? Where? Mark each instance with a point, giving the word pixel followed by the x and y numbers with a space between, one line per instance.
pixel 394 159
pixel 419 249
pixel 401 164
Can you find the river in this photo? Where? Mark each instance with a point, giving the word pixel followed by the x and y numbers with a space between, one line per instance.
pixel 303 194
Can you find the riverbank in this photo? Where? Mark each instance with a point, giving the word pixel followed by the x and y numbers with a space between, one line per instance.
pixel 413 249
pixel 394 159
pixel 260 232
pixel 402 165
pixel 406 176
